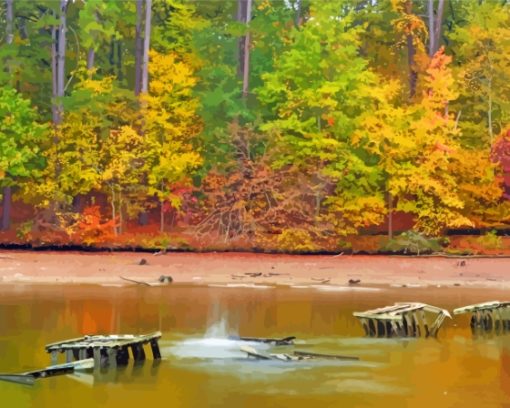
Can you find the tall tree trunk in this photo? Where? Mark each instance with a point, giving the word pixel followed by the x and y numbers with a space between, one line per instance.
pixel 54 40
pixel 411 52
pixel 435 25
pixel 143 216
pixel 432 36
pixel 241 18
pixel 61 57
pixel 146 46
pixel 246 59
pixel 138 47
pixel 438 26
pixel 6 193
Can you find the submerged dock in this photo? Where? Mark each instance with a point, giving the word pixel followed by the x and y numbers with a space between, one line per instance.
pixel 488 316
pixel 402 320
pixel 111 350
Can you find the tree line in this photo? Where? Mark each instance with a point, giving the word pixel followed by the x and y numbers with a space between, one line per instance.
pixel 299 118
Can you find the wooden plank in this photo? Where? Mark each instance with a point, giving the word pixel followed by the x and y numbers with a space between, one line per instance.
pixel 18 378
pixel 251 352
pixel 285 341
pixel 322 355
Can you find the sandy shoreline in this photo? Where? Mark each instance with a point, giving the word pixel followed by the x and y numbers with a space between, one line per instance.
pixel 245 269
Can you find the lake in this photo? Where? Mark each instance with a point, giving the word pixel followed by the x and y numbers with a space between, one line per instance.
pixel 201 367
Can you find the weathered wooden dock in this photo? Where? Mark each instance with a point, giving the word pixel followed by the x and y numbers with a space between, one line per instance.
pixel 111 350
pixel 488 316
pixel 402 320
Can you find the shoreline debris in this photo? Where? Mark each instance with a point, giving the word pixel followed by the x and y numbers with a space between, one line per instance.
pixel 402 320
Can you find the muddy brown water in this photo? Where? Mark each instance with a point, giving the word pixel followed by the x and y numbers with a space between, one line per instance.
pixel 202 368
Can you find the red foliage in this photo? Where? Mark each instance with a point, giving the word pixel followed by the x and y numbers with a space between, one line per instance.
pixel 91 230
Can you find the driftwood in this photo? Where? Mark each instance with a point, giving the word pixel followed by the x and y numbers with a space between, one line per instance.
pixel 135 281
pixel 286 341
pixel 488 316
pixel 402 320
pixel 29 377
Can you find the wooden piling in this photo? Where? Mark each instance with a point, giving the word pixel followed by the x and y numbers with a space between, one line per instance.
pixel 54 357
pixel 156 355
pixel 138 352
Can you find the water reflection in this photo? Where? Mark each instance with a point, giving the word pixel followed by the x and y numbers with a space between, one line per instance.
pixel 202 367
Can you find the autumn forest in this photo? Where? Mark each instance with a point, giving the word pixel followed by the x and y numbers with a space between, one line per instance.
pixel 293 125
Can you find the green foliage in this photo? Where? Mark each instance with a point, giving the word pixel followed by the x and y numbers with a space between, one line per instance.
pixel 414 243
pixel 21 137
pixel 490 241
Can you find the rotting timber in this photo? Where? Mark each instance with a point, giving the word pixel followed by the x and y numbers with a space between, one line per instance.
pixel 488 316
pixel 106 350
pixel 402 320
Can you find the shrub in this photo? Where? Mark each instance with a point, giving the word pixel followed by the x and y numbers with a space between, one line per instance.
pixel 411 242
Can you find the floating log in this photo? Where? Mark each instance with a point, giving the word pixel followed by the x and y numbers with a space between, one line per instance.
pixel 488 316
pixel 109 350
pixel 29 377
pixel 285 341
pixel 401 320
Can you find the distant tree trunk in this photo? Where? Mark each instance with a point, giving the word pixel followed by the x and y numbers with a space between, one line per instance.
pixel 90 58
pixel 138 47
pixel 146 46
pixel 411 52
pixel 7 193
pixel 162 216
pixel 6 205
pixel 390 216
pixel 246 56
pixel 297 17
pixel 119 60
pixel 9 20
